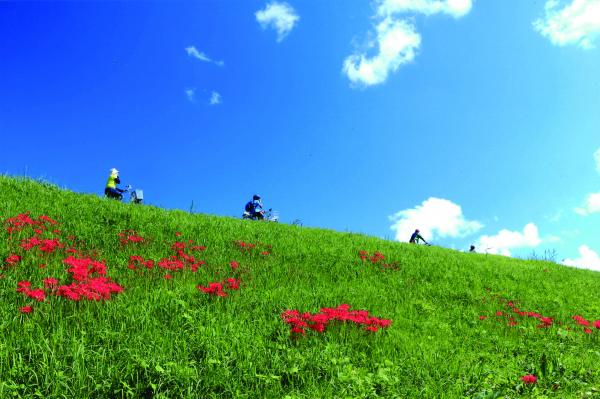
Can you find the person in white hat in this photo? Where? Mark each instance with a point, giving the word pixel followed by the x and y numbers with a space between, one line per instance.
pixel 111 190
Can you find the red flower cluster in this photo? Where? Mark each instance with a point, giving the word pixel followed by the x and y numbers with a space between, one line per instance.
pixel 529 379
pixel 23 220
pixel 216 288
pixel 135 261
pixel 12 260
pixel 130 237
pixel 25 288
pixel 544 321
pixel 177 262
pixel 377 258
pixel 318 321
pixel 44 245
pixel 247 247
pixel 26 309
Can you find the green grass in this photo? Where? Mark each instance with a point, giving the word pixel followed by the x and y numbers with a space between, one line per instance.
pixel 166 339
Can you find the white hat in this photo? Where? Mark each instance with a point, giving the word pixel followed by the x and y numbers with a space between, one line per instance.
pixel 114 171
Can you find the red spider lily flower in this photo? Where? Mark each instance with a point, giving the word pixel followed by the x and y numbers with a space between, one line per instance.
pixel 167 277
pixel 318 321
pixel 12 260
pixel 38 294
pixel 233 283
pixel 529 379
pixel 264 253
pixel 171 263
pixel 581 321
pixel 587 331
pixel 482 317
pixel 46 219
pixel 199 248
pixel 93 289
pixel 318 327
pixel 26 309
pixel 177 234
pixel 178 246
pixel 512 323
pixel 50 282
pixel 42 266
pixel 597 324
pixel 234 265
pixel 213 289
pixel 499 313
pixel 297 330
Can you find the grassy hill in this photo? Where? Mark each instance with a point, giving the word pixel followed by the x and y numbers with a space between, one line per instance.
pixel 110 302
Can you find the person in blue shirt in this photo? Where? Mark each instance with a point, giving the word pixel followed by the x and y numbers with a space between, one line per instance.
pixel 415 237
pixel 255 208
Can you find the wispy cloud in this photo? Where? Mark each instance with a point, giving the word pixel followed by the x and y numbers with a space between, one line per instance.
pixel 506 240
pixel 435 217
pixel 455 8
pixel 592 205
pixel 597 158
pixel 190 94
pixel 397 40
pixel 397 43
pixel 195 53
pixel 588 259
pixel 577 23
pixel 280 16
pixel 215 98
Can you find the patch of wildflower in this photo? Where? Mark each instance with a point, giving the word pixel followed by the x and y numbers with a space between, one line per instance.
pixel 377 258
pixel 12 260
pixel 130 237
pixel 24 220
pixel 216 288
pixel 138 261
pixel 299 322
pixel 513 311
pixel 247 247
pixel 26 309
pixel 529 379
pixel 44 245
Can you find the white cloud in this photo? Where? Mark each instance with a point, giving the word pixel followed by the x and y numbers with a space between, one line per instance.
pixel 577 23
pixel 588 259
pixel 190 93
pixel 592 205
pixel 435 217
pixel 397 40
pixel 280 16
pixel 456 8
pixel 193 52
pixel 215 98
pixel 506 240
pixel 597 158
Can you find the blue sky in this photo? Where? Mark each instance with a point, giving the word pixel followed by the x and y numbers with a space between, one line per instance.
pixel 475 121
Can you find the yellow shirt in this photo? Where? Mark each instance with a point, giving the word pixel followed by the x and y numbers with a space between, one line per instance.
pixel 111 181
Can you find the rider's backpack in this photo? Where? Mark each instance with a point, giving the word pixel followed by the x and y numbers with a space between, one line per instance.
pixel 249 207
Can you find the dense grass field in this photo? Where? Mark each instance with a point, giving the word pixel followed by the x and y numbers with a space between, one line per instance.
pixel 100 299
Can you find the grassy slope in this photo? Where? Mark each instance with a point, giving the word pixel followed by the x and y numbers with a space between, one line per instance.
pixel 163 338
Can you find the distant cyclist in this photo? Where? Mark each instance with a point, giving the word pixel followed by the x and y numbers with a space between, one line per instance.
pixel 416 237
pixel 111 190
pixel 255 208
